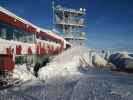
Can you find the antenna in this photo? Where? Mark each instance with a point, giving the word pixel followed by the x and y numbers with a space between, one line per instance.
pixel 53 7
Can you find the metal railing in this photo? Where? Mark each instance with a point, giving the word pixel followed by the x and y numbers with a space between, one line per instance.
pixel 71 22
pixel 59 8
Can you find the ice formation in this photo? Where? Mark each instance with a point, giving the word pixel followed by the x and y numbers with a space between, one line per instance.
pixel 99 61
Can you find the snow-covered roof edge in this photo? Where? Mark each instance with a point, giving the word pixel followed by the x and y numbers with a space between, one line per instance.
pixel 17 17
pixel 51 33
pixel 29 23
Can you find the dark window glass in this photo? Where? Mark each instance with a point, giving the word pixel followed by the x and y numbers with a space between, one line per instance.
pixel 11 33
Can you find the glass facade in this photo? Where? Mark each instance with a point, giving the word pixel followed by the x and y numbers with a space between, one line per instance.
pixel 9 32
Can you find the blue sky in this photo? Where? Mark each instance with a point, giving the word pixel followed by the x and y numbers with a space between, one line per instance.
pixel 109 23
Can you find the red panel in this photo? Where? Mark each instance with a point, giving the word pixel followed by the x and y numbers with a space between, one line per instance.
pixel 48 49
pixel 52 49
pixel 19 24
pixel 29 51
pixel 31 29
pixel 8 51
pixel 37 49
pixel 5 18
pixel 46 35
pixel 57 50
pixel 41 50
pixel 7 63
pixel 16 23
pixel 18 49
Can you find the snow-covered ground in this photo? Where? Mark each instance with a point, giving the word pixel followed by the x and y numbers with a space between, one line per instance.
pixel 94 87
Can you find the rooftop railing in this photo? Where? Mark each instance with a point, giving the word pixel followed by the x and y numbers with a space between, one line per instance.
pixel 60 8
pixel 71 22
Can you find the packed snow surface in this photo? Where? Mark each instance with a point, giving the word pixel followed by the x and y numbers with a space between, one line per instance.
pixel 68 63
pixel 87 88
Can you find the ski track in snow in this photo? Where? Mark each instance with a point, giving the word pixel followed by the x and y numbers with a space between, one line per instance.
pixel 89 87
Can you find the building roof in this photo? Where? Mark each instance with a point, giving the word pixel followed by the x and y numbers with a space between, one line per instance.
pixel 38 29
pixel 17 17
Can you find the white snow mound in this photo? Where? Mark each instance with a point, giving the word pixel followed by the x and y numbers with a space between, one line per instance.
pixel 67 64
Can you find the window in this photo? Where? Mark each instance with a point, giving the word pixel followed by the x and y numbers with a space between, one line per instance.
pixel 12 33
pixel 3 33
pixel 20 35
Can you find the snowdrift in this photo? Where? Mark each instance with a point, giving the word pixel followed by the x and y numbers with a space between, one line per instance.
pixel 67 64
pixel 20 72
